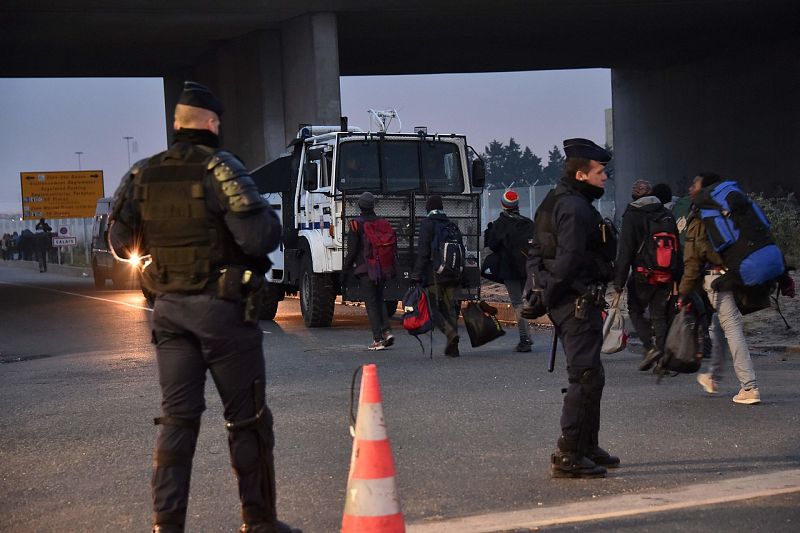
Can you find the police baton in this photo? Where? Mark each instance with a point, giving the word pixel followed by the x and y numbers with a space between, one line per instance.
pixel 551 363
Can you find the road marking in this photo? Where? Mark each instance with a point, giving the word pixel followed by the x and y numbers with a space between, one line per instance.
pixel 702 494
pixel 76 294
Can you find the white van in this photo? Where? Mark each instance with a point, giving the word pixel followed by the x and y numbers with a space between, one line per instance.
pixel 123 274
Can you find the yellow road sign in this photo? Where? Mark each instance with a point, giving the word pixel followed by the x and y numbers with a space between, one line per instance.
pixel 64 194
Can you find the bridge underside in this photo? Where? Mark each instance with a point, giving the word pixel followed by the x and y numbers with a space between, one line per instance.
pixel 697 85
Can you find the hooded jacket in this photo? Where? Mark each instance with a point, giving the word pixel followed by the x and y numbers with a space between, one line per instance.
pixel 635 230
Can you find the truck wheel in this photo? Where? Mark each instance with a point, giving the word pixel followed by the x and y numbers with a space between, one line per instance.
pixel 120 279
pixel 149 297
pixel 272 295
pixel 317 298
pixel 99 278
pixel 391 307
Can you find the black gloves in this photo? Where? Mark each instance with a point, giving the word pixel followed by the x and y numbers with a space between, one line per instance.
pixel 533 307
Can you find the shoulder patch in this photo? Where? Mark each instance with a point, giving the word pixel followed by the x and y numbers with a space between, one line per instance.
pixel 226 166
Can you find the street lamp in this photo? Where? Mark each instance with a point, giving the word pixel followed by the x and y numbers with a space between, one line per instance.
pixel 79 159
pixel 128 142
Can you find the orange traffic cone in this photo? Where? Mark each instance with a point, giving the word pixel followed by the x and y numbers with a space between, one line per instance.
pixel 371 504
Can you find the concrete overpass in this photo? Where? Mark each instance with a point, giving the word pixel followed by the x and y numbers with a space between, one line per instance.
pixel 696 84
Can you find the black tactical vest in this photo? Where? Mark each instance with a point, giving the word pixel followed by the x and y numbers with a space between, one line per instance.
pixel 601 245
pixel 187 242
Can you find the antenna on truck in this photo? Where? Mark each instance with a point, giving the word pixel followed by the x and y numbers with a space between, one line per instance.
pixel 384 118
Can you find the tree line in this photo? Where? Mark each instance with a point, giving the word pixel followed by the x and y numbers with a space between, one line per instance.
pixel 510 163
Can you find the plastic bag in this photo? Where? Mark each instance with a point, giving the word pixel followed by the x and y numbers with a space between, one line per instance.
pixel 683 350
pixel 481 326
pixel 615 338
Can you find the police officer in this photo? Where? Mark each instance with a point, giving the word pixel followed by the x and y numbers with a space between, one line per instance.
pixel 571 259
pixel 197 213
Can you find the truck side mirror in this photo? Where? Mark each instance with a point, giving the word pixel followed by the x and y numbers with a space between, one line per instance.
pixel 315 153
pixel 478 173
pixel 309 176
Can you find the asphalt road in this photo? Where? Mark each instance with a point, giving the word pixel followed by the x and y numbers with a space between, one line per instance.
pixel 471 436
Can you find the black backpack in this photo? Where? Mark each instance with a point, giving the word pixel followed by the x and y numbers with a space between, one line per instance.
pixel 658 258
pixel 447 252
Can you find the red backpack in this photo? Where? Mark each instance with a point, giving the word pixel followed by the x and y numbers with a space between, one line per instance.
pixel 659 257
pixel 416 314
pixel 380 249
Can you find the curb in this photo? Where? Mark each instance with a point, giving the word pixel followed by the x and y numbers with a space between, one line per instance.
pixel 62 270
pixel 506 314
pixel 776 349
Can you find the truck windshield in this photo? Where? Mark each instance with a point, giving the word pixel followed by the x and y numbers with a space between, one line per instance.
pixel 394 166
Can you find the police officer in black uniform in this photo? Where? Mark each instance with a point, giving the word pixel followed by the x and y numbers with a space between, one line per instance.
pixel 195 210
pixel 570 261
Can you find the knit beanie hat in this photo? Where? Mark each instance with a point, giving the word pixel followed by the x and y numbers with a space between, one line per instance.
pixel 434 202
pixel 641 188
pixel 366 201
pixel 510 200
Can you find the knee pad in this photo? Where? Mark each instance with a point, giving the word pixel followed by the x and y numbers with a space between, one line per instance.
pixel 252 439
pixel 176 444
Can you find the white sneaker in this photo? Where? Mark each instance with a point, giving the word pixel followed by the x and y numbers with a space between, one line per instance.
pixel 748 396
pixel 377 345
pixel 708 384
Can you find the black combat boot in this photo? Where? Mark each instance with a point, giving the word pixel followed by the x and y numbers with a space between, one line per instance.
pixel 264 527
pixel 601 457
pixel 574 465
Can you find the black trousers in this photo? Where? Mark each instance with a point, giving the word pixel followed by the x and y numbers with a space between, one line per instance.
pixel 581 341
pixel 376 307
pixel 196 334
pixel 652 298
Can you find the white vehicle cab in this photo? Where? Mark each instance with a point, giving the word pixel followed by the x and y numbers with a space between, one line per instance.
pixel 314 187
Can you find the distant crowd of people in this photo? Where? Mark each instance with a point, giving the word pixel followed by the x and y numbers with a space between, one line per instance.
pixel 29 245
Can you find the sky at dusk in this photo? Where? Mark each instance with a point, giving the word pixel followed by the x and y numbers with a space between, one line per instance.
pixel 43 122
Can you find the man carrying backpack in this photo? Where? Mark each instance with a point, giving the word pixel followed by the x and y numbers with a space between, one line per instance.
pixel 372 247
pixel 648 243
pixel 508 236
pixel 439 264
pixel 703 266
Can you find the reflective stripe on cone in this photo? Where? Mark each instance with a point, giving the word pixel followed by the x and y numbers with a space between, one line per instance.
pixel 372 504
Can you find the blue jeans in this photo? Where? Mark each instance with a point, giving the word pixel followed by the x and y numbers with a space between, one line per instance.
pixel 727 336
pixel 514 287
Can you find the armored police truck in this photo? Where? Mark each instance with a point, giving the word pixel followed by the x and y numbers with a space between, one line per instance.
pixel 314 187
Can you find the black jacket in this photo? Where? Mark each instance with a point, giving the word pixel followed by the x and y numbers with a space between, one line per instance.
pixel 574 256
pixel 495 238
pixel 255 231
pixel 355 243
pixel 635 230
pixel 423 266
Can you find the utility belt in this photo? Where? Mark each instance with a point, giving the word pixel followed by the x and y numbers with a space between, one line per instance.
pixel 242 285
pixel 594 296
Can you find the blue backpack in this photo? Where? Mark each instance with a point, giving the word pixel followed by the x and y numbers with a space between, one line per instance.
pixel 740 233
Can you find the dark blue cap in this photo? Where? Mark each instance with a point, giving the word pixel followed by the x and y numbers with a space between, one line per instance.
pixel 586 149
pixel 197 95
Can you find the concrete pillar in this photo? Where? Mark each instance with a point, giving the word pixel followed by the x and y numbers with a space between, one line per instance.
pixel 269 82
pixel 310 71
pixel 734 112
